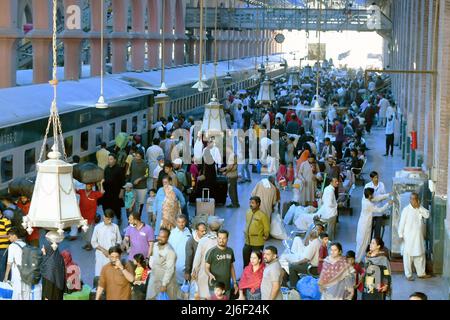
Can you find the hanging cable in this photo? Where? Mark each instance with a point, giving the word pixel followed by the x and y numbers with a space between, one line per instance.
pixel 54 116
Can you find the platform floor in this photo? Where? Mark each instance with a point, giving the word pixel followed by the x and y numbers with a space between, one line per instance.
pixel 346 228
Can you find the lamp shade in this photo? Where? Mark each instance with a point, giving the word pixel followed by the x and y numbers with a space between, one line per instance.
pixel 228 79
pixel 316 106
pixel 54 204
pixel 293 80
pixel 214 122
pixel 307 72
pixel 266 94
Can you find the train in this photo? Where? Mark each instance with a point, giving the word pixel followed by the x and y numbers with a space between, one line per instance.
pixel 24 110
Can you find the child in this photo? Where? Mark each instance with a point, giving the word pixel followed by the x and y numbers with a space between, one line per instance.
pixel 219 292
pixel 290 176
pixel 281 175
pixel 359 273
pixel 129 198
pixel 150 201
pixel 140 277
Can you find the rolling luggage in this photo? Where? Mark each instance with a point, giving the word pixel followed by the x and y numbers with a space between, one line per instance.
pixel 205 205
pixel 221 192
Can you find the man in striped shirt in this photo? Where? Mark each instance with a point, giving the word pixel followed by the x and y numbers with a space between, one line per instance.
pixel 5 225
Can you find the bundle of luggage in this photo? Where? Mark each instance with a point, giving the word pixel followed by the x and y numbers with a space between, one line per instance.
pixel 22 187
pixel 88 172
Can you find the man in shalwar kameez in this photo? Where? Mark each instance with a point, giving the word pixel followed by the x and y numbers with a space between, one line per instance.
pixel 410 229
pixel 199 267
pixel 162 278
pixel 267 192
pixel 178 239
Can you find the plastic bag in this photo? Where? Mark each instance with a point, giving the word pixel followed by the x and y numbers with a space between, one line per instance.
pixel 193 291
pixel 277 229
pixel 308 287
pixel 162 296
pixel 185 289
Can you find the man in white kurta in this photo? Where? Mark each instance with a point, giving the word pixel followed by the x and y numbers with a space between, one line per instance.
pixel 152 154
pixel 379 195
pixel 21 290
pixel 410 229
pixel 364 230
pixel 178 239
pixel 163 262
pixel 329 210
pixel 199 267
pixel 106 235
pixel 267 192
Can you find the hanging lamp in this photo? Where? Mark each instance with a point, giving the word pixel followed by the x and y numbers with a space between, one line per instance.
pixel 214 122
pixel 101 104
pixel 316 105
pixel 200 84
pixel 293 79
pixel 162 98
pixel 266 94
pixel 54 204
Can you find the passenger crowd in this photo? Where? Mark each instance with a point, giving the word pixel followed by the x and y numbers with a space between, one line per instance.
pixel 182 252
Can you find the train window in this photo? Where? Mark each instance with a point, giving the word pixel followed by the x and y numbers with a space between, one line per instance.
pixel 98 136
pixel 7 168
pixel 112 131
pixel 30 160
pixel 123 125
pixel 68 145
pixel 134 124
pixel 144 122
pixel 84 141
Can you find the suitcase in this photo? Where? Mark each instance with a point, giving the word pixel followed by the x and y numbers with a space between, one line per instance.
pixel 205 205
pixel 221 192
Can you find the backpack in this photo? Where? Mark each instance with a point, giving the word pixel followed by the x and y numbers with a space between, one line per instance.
pixel 121 158
pixel 374 277
pixel 17 220
pixel 30 270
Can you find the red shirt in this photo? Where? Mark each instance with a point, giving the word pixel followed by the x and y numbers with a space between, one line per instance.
pixel 359 272
pixel 88 204
pixel 323 253
pixel 25 209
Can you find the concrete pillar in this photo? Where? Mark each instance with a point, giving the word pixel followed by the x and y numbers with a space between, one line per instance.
pixel 422 39
pixel 95 37
pixel 8 42
pixel 226 45
pixel 197 45
pixel 235 44
pixel 72 46
pixel 154 33
pixel 180 33
pixel 41 40
pixel 441 134
pixel 430 87
pixel 190 47
pixel 119 36
pixel 169 36
pixel 138 34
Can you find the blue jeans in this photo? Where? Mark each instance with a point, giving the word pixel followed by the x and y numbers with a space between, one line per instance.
pixel 3 260
pixel 253 296
pixel 245 172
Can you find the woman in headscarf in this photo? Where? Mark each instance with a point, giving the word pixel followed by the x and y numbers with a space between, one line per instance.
pixel 53 273
pixel 377 278
pixel 250 283
pixel 168 203
pixel 73 273
pixel 337 277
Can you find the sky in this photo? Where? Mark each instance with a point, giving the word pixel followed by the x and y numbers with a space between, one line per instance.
pixel 360 45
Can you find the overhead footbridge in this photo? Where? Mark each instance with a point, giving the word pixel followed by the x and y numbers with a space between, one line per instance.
pixel 329 19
